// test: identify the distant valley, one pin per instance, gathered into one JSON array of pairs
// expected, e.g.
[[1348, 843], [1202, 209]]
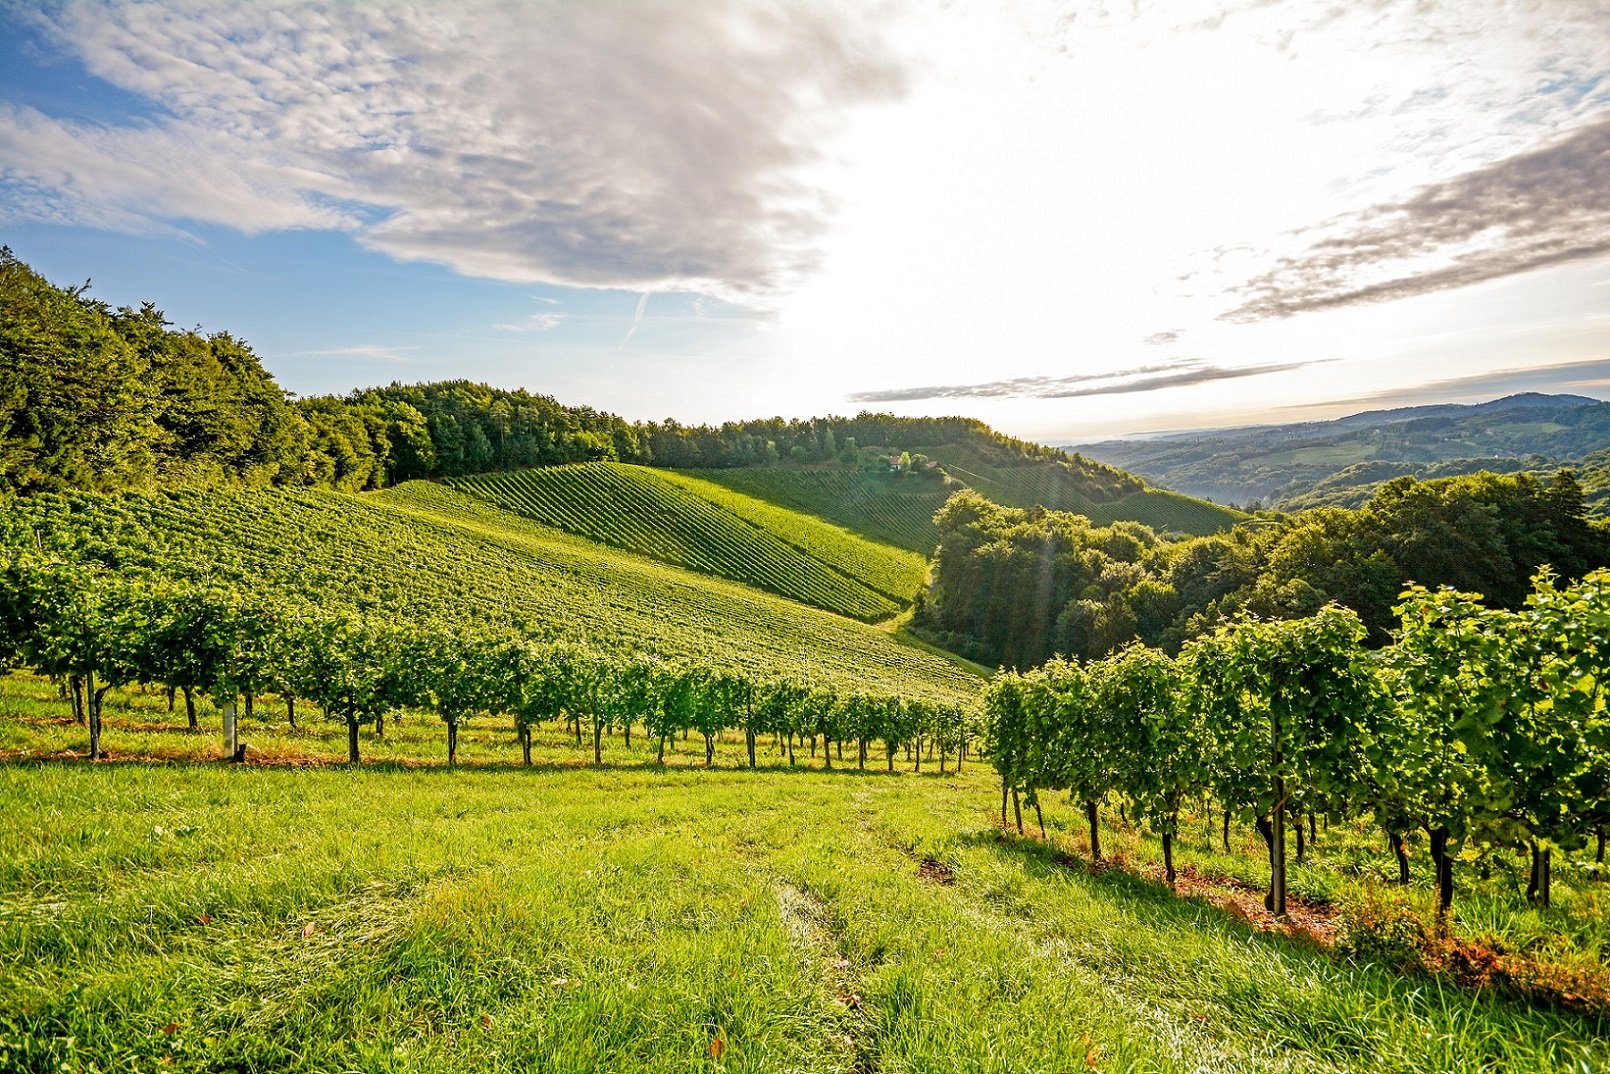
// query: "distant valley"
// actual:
[[1342, 462]]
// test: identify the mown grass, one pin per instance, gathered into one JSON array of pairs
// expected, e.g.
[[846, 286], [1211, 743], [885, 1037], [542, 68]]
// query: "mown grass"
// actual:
[[403, 917]]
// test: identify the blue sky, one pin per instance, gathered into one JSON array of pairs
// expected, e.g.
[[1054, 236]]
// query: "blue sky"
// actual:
[[1070, 220], [328, 315]]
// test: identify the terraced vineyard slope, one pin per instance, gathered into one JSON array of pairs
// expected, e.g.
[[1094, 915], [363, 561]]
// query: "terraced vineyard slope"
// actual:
[[689, 522], [423, 550]]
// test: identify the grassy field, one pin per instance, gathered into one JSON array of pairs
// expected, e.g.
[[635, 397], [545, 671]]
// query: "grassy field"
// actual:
[[425, 551], [1043, 483], [704, 526], [162, 914], [893, 508], [899, 510]]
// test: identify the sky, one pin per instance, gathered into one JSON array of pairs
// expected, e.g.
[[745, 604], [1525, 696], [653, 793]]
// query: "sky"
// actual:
[[1072, 220]]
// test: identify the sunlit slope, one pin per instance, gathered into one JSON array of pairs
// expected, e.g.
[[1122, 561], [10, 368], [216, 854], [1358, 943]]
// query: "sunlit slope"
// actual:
[[899, 509], [1043, 482], [888, 507], [425, 550], [693, 523]]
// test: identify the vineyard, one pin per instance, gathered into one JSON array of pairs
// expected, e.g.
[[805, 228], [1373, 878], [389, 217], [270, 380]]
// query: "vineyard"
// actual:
[[702, 526], [424, 552], [1484, 729], [892, 508], [307, 917]]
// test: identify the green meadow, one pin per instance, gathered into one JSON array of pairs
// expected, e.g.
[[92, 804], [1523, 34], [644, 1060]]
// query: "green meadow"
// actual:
[[166, 911]]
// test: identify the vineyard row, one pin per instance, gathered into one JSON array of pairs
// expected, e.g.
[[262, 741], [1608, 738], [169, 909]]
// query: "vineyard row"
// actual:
[[95, 631], [1482, 728]]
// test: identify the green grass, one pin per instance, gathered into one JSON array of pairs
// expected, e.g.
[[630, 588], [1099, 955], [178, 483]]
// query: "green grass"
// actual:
[[892, 508], [899, 510], [423, 550], [1168, 512], [1060, 489], [689, 522], [405, 918]]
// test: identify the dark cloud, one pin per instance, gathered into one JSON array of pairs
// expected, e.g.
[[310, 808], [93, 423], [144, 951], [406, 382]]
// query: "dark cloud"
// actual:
[[1127, 382], [1545, 207]]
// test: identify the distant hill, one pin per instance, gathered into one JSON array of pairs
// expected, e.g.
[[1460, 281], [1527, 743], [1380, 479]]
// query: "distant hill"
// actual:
[[1308, 464], [1519, 401]]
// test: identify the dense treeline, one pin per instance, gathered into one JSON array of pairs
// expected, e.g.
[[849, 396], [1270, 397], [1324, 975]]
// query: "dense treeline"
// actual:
[[1016, 587], [1484, 728], [95, 630], [98, 398]]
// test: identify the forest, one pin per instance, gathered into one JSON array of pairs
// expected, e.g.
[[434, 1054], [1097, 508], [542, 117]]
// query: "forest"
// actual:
[[1017, 586]]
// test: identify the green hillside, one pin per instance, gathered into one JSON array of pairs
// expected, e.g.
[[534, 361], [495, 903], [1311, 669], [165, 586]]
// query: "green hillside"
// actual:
[[889, 507], [1342, 462], [1058, 488], [689, 522], [899, 508], [423, 550], [1062, 488]]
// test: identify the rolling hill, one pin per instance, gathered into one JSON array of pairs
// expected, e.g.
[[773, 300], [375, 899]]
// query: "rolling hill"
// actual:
[[423, 550], [689, 522], [1343, 461], [1030, 482], [898, 508]]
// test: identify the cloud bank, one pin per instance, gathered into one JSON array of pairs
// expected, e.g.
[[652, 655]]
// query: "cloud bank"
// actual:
[[641, 145], [1149, 378], [1548, 206]]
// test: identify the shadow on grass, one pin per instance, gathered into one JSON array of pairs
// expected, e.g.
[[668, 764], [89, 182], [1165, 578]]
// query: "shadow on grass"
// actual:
[[1117, 881], [422, 766]]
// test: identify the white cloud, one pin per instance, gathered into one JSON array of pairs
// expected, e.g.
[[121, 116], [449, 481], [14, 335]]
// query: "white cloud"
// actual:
[[1182, 373], [537, 322], [1531, 211], [376, 352], [644, 145], [1065, 184], [142, 179]]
